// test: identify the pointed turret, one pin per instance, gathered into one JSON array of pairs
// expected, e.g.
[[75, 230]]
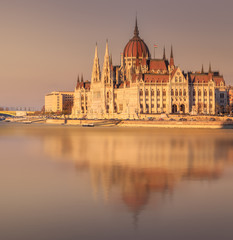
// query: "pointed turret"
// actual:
[[77, 82], [202, 69], [164, 53], [136, 31], [210, 70], [96, 51], [110, 59], [111, 65], [106, 71], [171, 57], [95, 77], [82, 78], [106, 49]]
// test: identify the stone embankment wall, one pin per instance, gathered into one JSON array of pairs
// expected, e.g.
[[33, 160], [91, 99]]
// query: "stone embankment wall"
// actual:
[[55, 121], [145, 123], [176, 124]]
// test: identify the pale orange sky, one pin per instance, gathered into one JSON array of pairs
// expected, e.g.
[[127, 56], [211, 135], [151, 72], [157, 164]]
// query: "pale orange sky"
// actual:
[[45, 44]]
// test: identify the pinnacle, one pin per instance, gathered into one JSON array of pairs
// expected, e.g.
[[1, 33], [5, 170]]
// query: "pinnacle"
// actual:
[[164, 53], [171, 52], [106, 51], [136, 31], [96, 51], [210, 70]]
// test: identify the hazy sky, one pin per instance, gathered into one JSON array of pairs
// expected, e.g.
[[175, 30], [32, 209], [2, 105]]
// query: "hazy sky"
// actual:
[[45, 44]]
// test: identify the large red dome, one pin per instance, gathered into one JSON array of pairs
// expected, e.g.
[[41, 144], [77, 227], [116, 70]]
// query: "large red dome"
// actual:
[[136, 47]]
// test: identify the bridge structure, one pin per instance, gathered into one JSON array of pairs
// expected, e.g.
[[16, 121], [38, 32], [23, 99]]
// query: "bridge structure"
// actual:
[[8, 113], [15, 113]]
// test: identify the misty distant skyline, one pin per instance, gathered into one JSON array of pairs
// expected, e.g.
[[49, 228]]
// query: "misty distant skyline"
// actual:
[[45, 44]]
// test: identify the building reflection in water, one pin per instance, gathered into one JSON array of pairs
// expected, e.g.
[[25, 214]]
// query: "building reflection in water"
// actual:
[[136, 163]]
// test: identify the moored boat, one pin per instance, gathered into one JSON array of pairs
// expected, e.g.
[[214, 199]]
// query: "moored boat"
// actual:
[[88, 125]]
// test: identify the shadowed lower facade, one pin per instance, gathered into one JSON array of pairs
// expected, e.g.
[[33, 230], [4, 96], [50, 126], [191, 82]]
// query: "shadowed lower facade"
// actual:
[[142, 85]]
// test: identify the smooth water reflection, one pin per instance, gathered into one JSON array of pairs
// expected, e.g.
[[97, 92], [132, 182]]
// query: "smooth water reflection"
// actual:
[[77, 183]]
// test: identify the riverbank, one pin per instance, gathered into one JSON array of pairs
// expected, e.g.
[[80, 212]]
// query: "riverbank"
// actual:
[[144, 123]]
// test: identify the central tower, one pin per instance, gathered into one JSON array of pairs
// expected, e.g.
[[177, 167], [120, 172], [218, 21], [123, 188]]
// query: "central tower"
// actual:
[[136, 54]]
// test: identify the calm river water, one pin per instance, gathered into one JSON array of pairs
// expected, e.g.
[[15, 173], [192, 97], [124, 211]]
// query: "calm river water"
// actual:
[[61, 183]]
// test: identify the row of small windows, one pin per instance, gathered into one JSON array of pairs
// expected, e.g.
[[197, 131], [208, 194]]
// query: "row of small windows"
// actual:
[[152, 106], [152, 92], [176, 93], [199, 92], [204, 105], [180, 93]]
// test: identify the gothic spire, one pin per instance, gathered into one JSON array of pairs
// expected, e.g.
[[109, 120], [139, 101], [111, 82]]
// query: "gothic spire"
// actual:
[[136, 31], [171, 57], [82, 78], [96, 67], [210, 70], [106, 71], [96, 51], [106, 50], [110, 59], [202, 69], [171, 52], [164, 53], [77, 82]]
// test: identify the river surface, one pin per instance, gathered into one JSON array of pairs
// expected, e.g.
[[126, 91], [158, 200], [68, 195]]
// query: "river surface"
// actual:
[[62, 183]]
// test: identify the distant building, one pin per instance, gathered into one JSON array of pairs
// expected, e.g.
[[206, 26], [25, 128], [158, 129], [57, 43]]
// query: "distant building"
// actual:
[[142, 85], [230, 97], [21, 113], [59, 102]]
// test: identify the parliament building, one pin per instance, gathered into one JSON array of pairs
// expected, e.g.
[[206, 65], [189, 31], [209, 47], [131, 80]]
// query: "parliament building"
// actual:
[[142, 86]]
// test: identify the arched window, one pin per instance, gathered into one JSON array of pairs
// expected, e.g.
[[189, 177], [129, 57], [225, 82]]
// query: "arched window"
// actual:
[[147, 93], [172, 92], [141, 93], [158, 92], [185, 92], [82, 97], [199, 92], [107, 94], [164, 92], [180, 92], [205, 93], [152, 92], [176, 92], [211, 93]]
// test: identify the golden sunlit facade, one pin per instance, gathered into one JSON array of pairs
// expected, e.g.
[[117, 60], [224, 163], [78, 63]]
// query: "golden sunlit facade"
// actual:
[[141, 85]]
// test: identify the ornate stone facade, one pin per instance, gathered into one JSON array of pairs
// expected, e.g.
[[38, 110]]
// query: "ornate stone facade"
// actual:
[[141, 85]]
